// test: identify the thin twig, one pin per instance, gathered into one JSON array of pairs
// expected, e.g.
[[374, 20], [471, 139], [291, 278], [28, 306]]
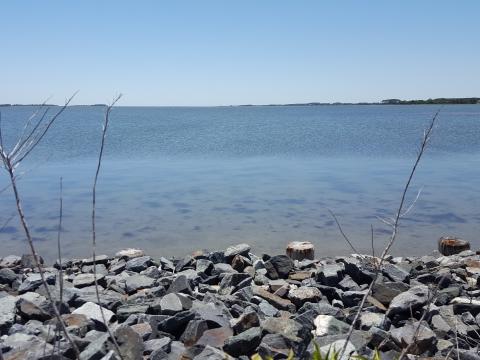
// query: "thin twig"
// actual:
[[342, 232], [425, 140], [94, 237], [10, 164], [59, 247]]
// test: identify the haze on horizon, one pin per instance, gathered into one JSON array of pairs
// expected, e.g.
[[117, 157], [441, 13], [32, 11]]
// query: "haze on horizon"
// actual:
[[250, 52]]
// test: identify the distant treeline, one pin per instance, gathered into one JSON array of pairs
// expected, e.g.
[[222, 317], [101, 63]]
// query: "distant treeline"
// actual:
[[473, 100]]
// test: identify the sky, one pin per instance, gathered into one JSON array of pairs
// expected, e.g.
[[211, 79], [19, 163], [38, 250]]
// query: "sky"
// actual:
[[202, 53]]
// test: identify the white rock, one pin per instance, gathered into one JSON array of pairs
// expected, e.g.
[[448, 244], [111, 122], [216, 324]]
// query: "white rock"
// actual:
[[92, 311], [130, 253], [328, 325]]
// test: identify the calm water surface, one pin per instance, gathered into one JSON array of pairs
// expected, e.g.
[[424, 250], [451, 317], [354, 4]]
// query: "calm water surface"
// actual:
[[180, 179]]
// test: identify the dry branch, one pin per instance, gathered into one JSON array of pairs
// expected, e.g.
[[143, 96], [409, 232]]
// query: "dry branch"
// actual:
[[395, 224]]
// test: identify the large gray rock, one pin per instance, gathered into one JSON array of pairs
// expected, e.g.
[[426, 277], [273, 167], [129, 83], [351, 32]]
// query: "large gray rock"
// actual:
[[240, 249], [330, 274], [193, 332], [282, 265], [408, 301], [136, 282], [130, 343], [246, 321], [84, 280], [25, 347], [7, 312], [7, 276], [138, 264], [93, 311], [304, 294], [172, 303], [34, 281], [328, 325], [385, 292], [419, 342], [10, 261], [244, 343], [297, 334]]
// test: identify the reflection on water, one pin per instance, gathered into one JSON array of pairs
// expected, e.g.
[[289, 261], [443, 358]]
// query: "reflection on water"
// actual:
[[266, 195]]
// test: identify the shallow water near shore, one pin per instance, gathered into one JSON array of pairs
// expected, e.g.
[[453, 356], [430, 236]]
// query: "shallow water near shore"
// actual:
[[180, 179]]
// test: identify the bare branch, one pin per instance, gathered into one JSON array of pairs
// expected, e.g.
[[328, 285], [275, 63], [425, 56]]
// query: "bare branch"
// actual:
[[94, 238], [342, 232], [395, 225]]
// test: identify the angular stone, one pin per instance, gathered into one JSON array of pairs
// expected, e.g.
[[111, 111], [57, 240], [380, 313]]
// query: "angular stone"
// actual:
[[7, 312], [7, 276], [136, 282], [173, 303], [330, 274], [386, 291], [240, 249], [30, 311], [231, 281], [10, 261], [142, 329], [215, 337], [177, 323], [304, 294], [328, 325], [396, 273], [138, 264], [282, 264], [180, 285], [246, 321], [34, 281], [130, 343], [276, 301], [211, 353], [92, 311], [84, 280], [424, 340], [125, 311], [408, 301], [244, 343], [162, 343], [99, 259], [298, 335], [130, 253], [193, 332], [274, 346]]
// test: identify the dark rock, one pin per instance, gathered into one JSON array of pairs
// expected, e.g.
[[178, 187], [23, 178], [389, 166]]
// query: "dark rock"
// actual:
[[246, 321], [180, 285], [396, 273], [330, 274], [185, 263], [282, 264], [419, 342], [408, 301], [136, 282], [99, 259], [298, 335], [230, 282], [386, 291], [177, 323], [138, 264], [7, 276], [204, 266], [193, 332], [244, 343], [274, 346]]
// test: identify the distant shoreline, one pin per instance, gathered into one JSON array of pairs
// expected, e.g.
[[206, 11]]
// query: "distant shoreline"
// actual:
[[436, 101]]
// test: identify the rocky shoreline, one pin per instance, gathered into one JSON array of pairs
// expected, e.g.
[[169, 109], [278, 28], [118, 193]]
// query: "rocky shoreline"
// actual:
[[234, 304]]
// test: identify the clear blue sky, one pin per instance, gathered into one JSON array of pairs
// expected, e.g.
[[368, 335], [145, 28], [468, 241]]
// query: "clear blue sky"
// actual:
[[238, 52]]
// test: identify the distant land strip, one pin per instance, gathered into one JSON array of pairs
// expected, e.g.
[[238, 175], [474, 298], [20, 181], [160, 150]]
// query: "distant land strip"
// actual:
[[437, 101]]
